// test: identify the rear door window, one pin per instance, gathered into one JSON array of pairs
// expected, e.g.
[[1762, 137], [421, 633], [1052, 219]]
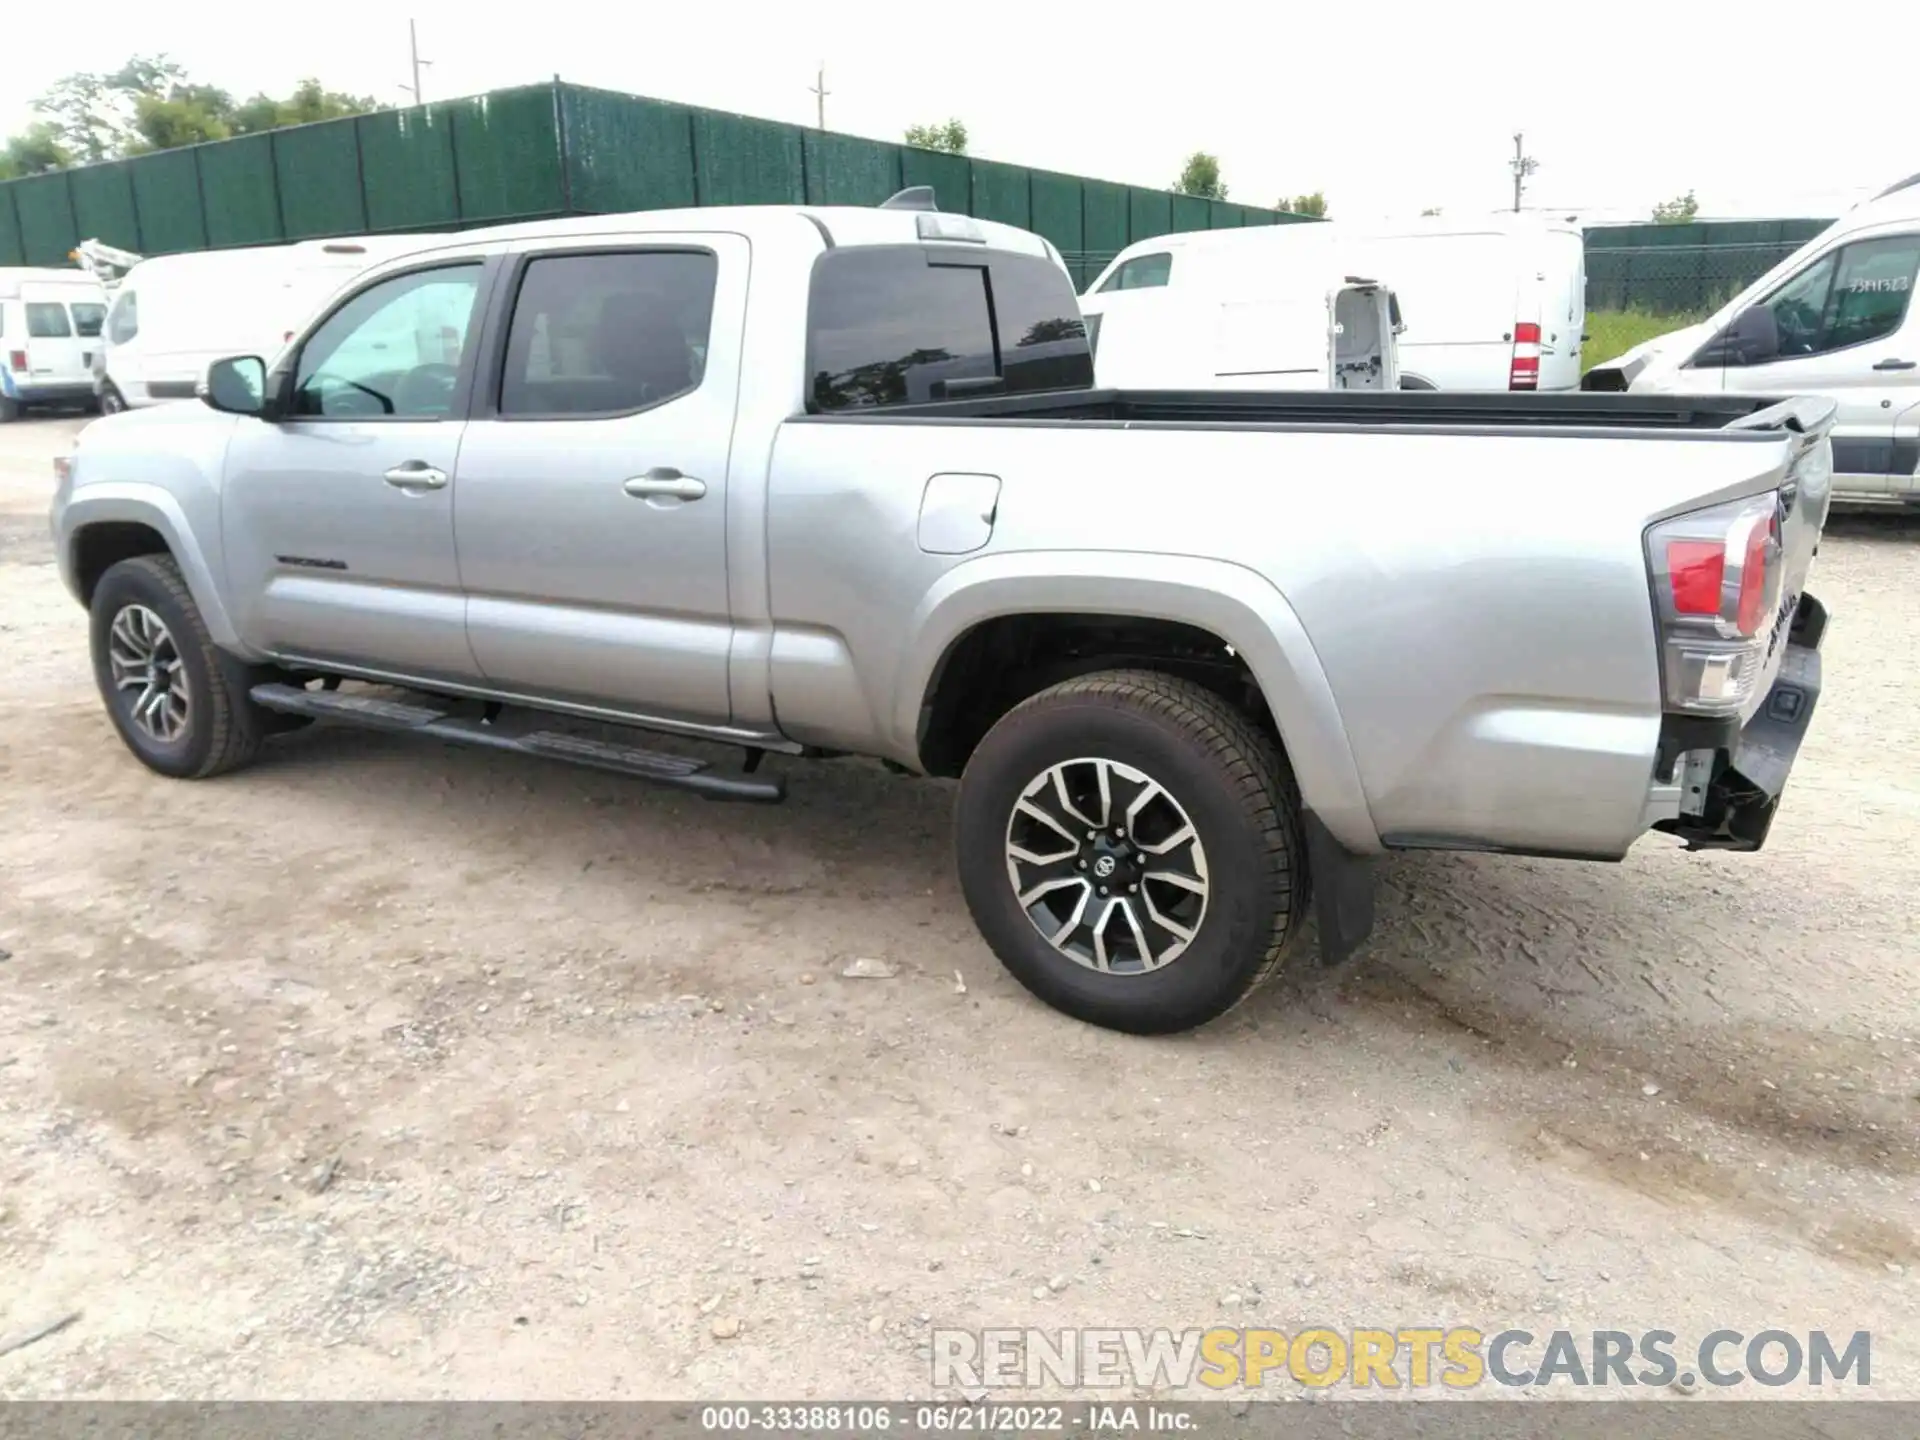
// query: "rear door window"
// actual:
[[88, 319], [903, 324], [47, 320], [608, 334]]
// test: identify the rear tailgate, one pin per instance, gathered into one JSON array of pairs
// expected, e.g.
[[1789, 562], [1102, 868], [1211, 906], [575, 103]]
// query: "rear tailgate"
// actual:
[[1806, 491]]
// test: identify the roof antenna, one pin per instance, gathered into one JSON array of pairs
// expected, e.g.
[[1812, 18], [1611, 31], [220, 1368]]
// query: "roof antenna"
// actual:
[[914, 197]]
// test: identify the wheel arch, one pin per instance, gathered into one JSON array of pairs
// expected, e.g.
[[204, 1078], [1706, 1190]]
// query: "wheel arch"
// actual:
[[1211, 598], [111, 522]]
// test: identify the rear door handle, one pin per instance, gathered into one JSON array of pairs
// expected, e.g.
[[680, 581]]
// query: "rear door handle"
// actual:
[[1896, 365], [665, 483], [416, 475]]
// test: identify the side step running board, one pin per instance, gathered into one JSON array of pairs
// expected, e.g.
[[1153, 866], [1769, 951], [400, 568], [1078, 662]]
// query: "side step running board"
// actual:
[[374, 713]]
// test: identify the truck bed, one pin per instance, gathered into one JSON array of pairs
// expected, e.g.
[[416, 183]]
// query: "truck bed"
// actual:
[[1483, 412]]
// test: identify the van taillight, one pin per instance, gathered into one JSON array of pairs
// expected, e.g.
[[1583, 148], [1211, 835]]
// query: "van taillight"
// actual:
[[17, 360], [1717, 577], [1525, 374]]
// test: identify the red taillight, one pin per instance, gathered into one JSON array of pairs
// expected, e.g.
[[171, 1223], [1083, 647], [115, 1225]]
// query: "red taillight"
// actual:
[[1718, 575], [1525, 374], [17, 360], [1696, 569]]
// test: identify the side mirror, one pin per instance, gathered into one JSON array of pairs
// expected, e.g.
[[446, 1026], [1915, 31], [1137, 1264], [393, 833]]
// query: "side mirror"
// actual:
[[236, 385]]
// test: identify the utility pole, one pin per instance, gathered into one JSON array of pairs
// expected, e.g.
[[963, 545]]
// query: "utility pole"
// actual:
[[1522, 166], [820, 93], [413, 46]]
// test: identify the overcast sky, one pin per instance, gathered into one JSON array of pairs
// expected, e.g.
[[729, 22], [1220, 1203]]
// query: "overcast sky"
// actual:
[[1389, 108]]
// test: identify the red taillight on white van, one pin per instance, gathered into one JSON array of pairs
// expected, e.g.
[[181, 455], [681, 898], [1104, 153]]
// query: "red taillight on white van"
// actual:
[[17, 361], [1716, 580], [1525, 374]]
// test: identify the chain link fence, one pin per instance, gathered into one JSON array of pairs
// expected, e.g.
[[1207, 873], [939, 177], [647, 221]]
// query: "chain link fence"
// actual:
[[1646, 280]]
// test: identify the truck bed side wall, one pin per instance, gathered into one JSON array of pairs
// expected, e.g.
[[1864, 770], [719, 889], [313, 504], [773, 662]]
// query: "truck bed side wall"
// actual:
[[1453, 631]]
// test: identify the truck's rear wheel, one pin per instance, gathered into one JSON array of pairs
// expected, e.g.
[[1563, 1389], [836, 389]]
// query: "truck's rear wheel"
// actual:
[[179, 705], [1130, 846]]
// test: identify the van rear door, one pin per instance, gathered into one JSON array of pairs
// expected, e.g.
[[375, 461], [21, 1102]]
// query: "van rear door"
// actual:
[[56, 353]]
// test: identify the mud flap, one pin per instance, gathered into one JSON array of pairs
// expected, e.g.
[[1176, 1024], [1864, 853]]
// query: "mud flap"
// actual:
[[1342, 885]]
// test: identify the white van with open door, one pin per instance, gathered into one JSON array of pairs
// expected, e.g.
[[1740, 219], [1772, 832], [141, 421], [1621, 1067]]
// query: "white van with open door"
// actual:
[[50, 323], [1272, 332], [1835, 318], [1487, 303], [173, 315]]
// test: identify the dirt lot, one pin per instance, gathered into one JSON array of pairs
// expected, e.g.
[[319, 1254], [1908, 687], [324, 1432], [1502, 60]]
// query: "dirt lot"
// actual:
[[390, 1070]]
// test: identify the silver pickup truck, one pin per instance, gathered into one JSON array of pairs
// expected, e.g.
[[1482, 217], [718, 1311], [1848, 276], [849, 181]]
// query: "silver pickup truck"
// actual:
[[835, 481]]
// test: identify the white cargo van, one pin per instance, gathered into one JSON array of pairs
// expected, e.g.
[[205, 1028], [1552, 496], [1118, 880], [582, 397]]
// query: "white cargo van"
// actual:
[[1834, 318], [1493, 303], [1228, 331], [172, 315], [50, 324]]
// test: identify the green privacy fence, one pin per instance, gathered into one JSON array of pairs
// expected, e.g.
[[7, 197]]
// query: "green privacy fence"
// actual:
[[550, 150], [1685, 269]]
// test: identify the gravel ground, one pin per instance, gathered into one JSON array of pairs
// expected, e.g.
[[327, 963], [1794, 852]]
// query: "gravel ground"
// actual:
[[389, 1070]]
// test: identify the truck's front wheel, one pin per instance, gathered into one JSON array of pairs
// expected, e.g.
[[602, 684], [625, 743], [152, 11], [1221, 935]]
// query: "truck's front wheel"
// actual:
[[1130, 846], [178, 703]]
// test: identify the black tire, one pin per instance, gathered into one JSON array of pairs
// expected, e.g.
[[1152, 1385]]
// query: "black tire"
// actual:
[[9, 409], [1234, 788], [223, 728], [109, 401]]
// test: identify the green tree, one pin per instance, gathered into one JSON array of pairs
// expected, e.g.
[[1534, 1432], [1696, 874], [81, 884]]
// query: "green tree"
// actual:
[[950, 137], [310, 102], [151, 103], [1677, 211], [34, 151], [87, 117], [1314, 205], [1201, 176]]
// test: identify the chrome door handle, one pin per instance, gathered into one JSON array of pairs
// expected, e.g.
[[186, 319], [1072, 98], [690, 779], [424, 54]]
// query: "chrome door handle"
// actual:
[[414, 475], [665, 484]]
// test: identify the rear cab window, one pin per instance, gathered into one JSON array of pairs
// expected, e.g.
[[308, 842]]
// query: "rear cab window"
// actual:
[[905, 324]]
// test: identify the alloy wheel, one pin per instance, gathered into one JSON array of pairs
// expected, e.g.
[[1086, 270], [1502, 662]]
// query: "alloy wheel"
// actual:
[[1107, 865]]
